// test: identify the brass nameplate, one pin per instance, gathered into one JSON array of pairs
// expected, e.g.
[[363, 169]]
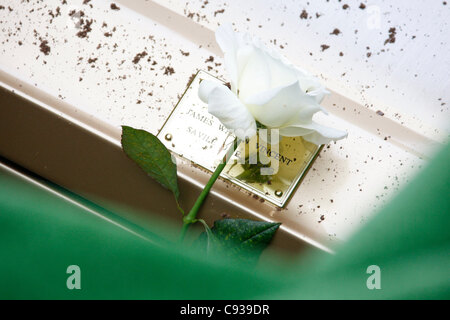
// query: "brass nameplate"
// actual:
[[196, 135]]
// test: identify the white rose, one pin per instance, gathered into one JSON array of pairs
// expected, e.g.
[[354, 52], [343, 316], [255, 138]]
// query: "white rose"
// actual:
[[267, 88]]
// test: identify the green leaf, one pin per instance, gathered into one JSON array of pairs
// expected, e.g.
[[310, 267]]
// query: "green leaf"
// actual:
[[242, 239], [152, 156]]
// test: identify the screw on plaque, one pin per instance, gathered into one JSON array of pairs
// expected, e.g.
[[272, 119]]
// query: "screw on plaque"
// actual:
[[278, 193], [168, 137]]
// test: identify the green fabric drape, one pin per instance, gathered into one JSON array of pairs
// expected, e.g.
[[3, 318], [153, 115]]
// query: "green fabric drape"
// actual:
[[41, 235]]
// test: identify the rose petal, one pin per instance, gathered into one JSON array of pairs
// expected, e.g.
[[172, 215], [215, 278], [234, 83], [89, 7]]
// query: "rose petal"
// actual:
[[282, 106], [226, 38], [318, 134], [223, 104], [255, 76], [294, 131], [281, 73], [313, 87], [237, 51], [205, 89]]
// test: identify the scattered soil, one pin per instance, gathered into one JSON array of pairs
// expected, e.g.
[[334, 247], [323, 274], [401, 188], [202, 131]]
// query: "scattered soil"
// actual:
[[392, 34], [85, 28], [191, 78], [139, 56], [169, 71]]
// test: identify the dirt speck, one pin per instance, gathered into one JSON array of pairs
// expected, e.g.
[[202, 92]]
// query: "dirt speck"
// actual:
[[324, 47], [392, 34], [218, 12], [169, 71], [304, 14], [85, 28], [44, 47], [139, 56], [184, 53], [336, 31]]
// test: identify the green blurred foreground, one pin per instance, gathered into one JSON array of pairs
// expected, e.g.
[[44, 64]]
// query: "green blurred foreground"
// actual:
[[41, 235]]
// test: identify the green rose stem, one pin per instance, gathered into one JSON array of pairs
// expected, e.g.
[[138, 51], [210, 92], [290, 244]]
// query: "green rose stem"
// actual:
[[191, 217]]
